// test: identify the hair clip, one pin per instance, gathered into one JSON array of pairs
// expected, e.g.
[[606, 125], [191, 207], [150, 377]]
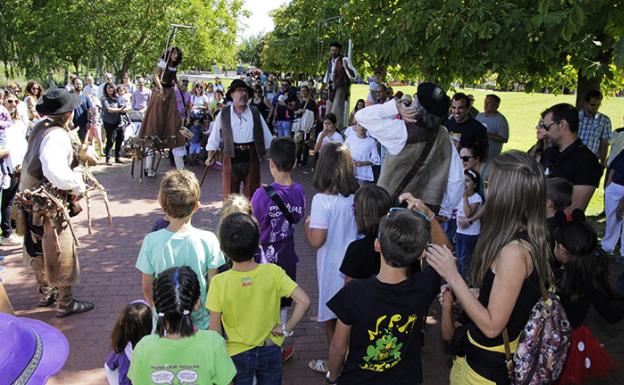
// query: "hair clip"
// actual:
[[161, 314], [186, 312]]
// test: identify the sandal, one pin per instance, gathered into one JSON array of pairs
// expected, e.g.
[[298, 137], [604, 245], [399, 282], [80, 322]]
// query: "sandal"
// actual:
[[48, 299], [317, 366], [74, 307]]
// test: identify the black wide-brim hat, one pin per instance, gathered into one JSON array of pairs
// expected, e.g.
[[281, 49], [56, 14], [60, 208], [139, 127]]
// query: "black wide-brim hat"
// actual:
[[57, 101], [433, 99], [238, 83]]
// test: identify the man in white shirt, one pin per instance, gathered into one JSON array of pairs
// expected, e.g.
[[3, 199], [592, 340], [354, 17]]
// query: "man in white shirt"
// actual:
[[48, 242], [338, 75], [439, 180], [245, 136]]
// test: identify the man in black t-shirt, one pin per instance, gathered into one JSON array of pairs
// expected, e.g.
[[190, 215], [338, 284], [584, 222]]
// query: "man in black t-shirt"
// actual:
[[380, 319], [569, 158], [471, 132]]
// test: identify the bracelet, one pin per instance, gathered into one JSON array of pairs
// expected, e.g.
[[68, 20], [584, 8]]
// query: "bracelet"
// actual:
[[287, 333], [327, 378]]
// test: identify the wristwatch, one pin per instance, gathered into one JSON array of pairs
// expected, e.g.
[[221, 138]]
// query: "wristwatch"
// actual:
[[328, 379], [287, 333]]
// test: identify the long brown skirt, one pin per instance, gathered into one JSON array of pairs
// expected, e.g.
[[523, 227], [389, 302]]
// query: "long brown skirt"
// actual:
[[162, 118]]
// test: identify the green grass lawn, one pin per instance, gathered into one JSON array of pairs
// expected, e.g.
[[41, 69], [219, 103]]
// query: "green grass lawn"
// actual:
[[522, 111]]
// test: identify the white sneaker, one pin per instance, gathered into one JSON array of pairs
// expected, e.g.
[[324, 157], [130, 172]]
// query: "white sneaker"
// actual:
[[11, 240]]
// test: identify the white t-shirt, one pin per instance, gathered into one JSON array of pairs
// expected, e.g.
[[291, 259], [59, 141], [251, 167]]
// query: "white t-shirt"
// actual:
[[363, 150], [334, 213], [200, 101], [475, 228], [335, 137]]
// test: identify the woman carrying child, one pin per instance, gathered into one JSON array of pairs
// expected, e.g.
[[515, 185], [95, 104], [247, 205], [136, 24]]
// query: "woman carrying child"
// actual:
[[178, 350], [513, 261]]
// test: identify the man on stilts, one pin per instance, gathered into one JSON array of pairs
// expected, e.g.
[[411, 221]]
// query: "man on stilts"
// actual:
[[338, 75], [245, 136]]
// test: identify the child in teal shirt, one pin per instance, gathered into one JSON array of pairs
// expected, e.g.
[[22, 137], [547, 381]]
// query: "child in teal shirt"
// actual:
[[180, 244]]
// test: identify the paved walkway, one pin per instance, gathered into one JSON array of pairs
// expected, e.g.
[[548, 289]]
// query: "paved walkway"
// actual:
[[110, 280]]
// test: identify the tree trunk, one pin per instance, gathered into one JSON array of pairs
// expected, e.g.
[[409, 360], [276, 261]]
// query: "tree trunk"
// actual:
[[585, 85]]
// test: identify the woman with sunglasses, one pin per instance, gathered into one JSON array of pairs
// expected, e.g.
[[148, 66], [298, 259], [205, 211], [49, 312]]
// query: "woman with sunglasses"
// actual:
[[473, 159], [33, 93], [261, 103], [15, 139], [199, 102]]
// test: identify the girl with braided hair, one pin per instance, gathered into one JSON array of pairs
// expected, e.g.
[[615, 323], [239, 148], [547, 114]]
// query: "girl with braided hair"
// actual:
[[178, 350]]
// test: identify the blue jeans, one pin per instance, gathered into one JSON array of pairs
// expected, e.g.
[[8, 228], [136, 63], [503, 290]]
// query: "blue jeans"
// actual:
[[284, 128], [464, 245], [450, 228], [263, 362]]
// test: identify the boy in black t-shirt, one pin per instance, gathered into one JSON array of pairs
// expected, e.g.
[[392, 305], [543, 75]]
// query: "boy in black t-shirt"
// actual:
[[380, 318]]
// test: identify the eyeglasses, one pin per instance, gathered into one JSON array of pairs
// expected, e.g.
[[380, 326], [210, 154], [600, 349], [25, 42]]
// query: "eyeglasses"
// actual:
[[466, 158], [547, 126]]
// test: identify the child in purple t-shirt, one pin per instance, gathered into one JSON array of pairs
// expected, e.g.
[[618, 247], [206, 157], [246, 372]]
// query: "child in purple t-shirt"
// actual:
[[276, 232]]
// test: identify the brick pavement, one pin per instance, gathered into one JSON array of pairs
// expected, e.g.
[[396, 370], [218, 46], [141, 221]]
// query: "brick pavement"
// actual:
[[110, 280]]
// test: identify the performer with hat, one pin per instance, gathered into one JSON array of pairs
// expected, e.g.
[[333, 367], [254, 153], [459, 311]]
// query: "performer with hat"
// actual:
[[245, 137], [49, 243], [421, 158], [162, 119]]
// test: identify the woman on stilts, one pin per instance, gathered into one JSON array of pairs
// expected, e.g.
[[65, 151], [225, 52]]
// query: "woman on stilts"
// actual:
[[162, 119]]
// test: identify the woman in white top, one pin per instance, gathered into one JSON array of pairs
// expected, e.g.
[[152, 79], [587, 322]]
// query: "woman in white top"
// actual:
[[199, 100], [466, 237], [364, 154]]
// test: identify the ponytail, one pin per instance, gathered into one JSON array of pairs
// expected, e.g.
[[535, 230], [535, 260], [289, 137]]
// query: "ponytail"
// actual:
[[176, 292]]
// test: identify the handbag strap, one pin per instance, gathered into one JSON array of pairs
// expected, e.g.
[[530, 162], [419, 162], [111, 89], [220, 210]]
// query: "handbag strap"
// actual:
[[417, 165], [279, 202], [508, 357]]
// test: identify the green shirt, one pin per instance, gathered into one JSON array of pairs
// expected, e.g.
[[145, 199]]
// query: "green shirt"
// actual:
[[250, 304], [199, 359], [195, 248]]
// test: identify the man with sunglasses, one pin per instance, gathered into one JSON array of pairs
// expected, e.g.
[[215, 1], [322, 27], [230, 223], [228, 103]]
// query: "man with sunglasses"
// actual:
[[569, 158]]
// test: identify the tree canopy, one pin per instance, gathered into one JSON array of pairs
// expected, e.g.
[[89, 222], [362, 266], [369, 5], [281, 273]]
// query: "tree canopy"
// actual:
[[114, 35], [539, 43]]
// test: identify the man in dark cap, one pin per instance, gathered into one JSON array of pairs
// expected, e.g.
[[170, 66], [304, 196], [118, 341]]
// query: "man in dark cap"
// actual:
[[245, 137], [338, 75], [421, 158], [52, 153]]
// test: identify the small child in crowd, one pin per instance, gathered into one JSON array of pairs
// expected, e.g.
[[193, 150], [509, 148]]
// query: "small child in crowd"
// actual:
[[361, 260], [329, 133], [582, 279], [330, 228], [467, 233], [278, 207], [194, 147], [134, 322], [178, 350], [380, 319], [364, 153], [246, 301], [180, 244], [558, 197]]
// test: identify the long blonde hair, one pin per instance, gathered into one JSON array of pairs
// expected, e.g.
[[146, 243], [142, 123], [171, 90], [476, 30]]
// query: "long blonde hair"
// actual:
[[515, 202]]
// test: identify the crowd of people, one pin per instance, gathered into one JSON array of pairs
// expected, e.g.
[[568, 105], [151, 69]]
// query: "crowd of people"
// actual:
[[415, 200]]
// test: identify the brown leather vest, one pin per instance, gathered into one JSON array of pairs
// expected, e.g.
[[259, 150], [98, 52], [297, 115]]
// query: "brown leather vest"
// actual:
[[227, 137], [32, 172]]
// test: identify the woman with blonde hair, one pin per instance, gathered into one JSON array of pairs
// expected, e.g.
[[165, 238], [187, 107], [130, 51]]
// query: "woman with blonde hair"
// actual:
[[510, 263]]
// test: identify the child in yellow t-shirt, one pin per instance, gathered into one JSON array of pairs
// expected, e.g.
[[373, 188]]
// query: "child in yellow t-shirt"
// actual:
[[246, 299]]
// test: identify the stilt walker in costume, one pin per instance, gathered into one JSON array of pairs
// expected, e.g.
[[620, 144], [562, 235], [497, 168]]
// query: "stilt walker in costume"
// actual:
[[421, 159], [245, 137], [338, 75], [49, 190], [162, 119]]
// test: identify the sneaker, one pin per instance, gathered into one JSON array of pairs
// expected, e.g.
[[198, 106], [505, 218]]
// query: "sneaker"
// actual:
[[11, 240], [287, 353]]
